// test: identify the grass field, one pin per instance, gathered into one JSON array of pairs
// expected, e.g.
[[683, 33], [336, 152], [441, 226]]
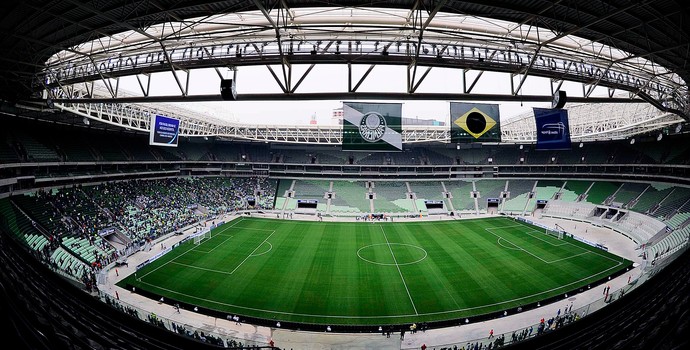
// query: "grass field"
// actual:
[[359, 273]]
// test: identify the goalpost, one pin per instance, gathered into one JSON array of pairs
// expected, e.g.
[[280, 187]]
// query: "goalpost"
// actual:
[[202, 236], [555, 233]]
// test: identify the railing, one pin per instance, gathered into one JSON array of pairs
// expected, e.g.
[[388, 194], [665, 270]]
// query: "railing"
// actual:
[[222, 337]]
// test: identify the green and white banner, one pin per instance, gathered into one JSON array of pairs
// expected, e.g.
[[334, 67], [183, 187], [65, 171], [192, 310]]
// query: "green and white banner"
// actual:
[[372, 126], [474, 122]]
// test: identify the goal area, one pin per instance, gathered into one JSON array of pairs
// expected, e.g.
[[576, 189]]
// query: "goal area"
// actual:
[[554, 232]]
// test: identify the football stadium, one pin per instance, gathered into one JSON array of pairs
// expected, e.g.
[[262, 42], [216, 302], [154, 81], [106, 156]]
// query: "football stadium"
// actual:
[[345, 175]]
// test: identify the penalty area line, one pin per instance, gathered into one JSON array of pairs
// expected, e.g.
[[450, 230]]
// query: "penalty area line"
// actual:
[[253, 251]]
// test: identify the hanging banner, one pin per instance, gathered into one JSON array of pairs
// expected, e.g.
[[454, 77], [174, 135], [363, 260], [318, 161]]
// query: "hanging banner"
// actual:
[[372, 126], [474, 122], [553, 131]]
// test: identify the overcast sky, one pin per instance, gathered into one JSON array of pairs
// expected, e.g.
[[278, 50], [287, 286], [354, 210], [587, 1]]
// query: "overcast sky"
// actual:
[[332, 78]]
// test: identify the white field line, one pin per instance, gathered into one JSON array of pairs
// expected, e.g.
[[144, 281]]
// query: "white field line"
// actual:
[[252, 253], [400, 272]]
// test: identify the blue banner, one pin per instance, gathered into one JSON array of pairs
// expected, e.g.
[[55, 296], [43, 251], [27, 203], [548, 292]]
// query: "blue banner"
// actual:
[[553, 132], [164, 131]]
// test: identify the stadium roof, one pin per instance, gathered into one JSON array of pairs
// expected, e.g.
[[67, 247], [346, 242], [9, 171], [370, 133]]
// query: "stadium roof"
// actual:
[[654, 34]]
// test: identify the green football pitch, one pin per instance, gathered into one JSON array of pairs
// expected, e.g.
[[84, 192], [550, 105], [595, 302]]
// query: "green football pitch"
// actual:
[[363, 273]]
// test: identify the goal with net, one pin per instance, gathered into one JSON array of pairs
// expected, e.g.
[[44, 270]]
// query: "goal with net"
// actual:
[[555, 233], [202, 236]]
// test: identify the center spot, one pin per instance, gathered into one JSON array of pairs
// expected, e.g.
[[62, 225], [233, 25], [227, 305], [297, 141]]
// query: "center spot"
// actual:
[[384, 253]]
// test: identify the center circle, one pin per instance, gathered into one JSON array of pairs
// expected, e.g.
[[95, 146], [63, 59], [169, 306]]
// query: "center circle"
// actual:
[[392, 254]]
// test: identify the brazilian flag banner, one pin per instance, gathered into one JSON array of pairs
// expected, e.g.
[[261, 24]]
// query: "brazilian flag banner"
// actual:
[[474, 122], [372, 126]]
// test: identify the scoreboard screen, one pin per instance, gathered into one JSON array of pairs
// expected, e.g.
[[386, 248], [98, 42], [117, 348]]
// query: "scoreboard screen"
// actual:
[[164, 131], [307, 203], [434, 204]]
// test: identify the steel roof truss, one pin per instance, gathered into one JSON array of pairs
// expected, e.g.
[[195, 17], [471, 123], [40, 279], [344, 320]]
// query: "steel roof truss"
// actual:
[[350, 88], [144, 90]]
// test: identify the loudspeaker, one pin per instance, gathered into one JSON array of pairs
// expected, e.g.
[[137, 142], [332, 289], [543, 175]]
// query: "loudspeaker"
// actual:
[[227, 89], [559, 99]]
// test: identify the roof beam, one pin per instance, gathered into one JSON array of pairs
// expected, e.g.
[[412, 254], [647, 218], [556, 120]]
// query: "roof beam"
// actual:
[[411, 80], [345, 95], [284, 62]]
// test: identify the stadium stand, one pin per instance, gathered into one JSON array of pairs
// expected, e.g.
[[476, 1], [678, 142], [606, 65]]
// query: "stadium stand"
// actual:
[[311, 189], [329, 157], [427, 190], [461, 194], [36, 151], [350, 197], [108, 149], [561, 208], [194, 151], [599, 192], [314, 190], [441, 156], [547, 189], [43, 212], [671, 203], [520, 191], [506, 155], [626, 193], [652, 195], [488, 189], [577, 187], [392, 197], [137, 150], [142, 209], [75, 149]]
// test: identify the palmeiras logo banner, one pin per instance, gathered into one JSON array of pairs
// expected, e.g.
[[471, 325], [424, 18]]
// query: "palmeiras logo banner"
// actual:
[[372, 126], [474, 122], [553, 131]]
